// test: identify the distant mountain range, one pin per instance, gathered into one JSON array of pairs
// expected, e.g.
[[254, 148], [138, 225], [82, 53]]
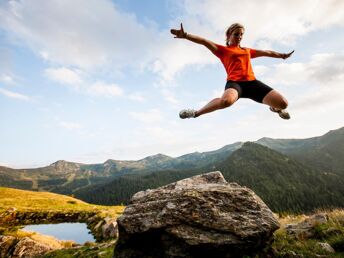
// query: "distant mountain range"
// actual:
[[301, 174]]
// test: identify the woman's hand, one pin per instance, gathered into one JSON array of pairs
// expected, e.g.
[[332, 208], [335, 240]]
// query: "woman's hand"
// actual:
[[181, 34], [285, 56]]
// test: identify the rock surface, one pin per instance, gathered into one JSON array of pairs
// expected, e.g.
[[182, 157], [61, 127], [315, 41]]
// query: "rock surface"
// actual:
[[201, 216], [28, 247], [6, 243], [326, 247], [305, 228], [24, 247]]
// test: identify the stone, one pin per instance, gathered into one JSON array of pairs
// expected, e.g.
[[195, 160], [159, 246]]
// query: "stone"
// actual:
[[201, 216], [6, 244], [292, 254], [110, 228], [306, 227], [326, 247], [27, 248]]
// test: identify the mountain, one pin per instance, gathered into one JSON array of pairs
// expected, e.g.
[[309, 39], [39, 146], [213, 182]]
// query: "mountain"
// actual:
[[323, 153], [68, 177], [283, 183], [318, 160]]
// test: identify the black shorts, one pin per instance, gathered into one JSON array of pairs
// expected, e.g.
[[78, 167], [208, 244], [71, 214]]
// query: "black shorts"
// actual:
[[255, 90]]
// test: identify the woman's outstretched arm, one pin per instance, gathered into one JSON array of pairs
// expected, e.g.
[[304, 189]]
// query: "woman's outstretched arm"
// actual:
[[199, 40], [271, 53]]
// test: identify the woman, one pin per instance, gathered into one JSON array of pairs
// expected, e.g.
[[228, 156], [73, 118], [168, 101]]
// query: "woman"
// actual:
[[241, 82]]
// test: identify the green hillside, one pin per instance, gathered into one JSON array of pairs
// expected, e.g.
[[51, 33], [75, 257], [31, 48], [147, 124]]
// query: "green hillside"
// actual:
[[322, 153], [23, 200], [120, 190], [283, 183]]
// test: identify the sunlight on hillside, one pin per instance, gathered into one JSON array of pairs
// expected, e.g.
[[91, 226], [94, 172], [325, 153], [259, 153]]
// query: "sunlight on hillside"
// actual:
[[43, 201]]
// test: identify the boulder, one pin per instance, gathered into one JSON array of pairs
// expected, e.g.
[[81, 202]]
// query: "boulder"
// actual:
[[110, 228], [6, 244], [27, 248], [305, 229], [326, 247], [201, 216]]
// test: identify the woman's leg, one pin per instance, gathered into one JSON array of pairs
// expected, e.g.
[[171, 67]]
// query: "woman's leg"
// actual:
[[275, 100], [228, 98], [277, 103]]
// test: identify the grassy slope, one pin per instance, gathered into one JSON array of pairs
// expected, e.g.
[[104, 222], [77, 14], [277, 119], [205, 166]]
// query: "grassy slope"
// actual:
[[332, 232], [24, 200]]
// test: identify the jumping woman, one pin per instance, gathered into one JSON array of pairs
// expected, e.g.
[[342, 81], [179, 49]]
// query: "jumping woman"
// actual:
[[241, 82]]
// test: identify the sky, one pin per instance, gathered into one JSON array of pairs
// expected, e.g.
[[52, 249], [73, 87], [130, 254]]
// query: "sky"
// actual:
[[91, 80]]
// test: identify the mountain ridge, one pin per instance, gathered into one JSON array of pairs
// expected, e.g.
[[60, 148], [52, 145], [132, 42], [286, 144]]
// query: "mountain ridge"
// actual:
[[282, 182], [322, 153]]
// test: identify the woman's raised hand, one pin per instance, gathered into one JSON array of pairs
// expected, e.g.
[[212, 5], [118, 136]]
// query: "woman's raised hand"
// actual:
[[285, 56], [179, 33]]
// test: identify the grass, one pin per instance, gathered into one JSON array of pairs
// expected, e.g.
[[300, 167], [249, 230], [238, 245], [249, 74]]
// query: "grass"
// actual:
[[83, 252], [29, 201], [331, 232]]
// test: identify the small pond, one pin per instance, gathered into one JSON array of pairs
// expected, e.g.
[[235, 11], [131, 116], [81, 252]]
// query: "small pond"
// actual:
[[78, 232]]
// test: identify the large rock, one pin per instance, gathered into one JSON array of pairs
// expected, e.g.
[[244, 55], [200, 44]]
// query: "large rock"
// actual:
[[27, 248], [6, 244], [201, 216]]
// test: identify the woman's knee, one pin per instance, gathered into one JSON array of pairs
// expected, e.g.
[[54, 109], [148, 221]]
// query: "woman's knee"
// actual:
[[226, 102], [283, 104]]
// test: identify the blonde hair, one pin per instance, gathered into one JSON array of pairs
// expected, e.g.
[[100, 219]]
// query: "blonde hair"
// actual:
[[232, 28]]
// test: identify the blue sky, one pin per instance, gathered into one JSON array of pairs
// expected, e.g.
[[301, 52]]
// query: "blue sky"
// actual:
[[91, 80]]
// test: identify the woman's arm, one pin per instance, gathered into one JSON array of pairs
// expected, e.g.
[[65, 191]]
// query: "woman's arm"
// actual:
[[271, 53], [199, 40]]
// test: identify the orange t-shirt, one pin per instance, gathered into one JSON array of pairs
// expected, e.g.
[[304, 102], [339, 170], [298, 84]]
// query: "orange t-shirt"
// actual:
[[236, 61]]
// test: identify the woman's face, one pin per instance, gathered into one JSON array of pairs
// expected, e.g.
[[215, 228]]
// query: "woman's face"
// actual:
[[236, 36]]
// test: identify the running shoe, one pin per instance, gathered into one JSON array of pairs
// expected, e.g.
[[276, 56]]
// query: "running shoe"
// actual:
[[282, 113], [187, 113]]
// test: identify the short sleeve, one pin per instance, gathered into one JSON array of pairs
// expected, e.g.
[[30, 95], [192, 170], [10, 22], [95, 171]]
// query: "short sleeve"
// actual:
[[220, 51], [253, 53]]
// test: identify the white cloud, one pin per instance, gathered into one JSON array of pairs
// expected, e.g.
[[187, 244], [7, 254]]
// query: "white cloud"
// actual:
[[14, 95], [210, 20], [301, 16], [157, 133], [289, 73], [70, 125], [312, 86], [7, 79], [217, 94], [169, 96], [97, 33], [327, 67], [74, 78], [137, 97], [151, 116], [86, 34], [260, 70], [64, 75], [176, 54], [321, 68], [104, 89]]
